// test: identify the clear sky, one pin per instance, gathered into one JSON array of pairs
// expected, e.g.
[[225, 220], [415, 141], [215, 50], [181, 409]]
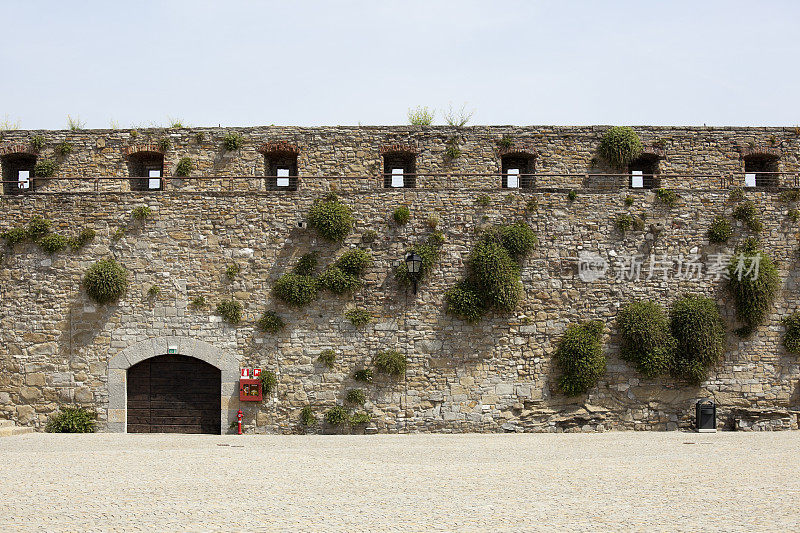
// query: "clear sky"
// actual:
[[310, 63]]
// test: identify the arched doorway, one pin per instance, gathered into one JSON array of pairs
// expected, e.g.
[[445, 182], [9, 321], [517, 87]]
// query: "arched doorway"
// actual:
[[173, 394]]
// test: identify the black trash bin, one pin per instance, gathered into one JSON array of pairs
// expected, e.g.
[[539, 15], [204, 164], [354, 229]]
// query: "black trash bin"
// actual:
[[705, 416]]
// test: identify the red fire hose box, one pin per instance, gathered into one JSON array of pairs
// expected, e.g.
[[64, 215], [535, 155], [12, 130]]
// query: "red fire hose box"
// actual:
[[250, 390]]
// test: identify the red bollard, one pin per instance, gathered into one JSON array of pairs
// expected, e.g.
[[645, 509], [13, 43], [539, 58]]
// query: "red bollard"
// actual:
[[239, 417]]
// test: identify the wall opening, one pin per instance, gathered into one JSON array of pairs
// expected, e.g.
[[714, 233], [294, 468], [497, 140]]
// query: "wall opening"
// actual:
[[281, 170], [518, 170], [399, 170], [760, 170], [644, 172], [18, 173], [146, 170]]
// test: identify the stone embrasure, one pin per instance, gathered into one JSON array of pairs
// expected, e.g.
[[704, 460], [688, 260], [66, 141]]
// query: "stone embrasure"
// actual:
[[496, 374]]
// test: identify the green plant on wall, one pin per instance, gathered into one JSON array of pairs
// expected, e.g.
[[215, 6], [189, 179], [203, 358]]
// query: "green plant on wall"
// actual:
[[184, 167], [356, 397], [791, 335], [429, 251], [342, 276], [295, 289], [572, 195], [645, 338], [619, 146], [64, 149], [699, 332], [232, 141], [736, 195], [720, 230], [506, 141], [337, 415], [164, 144], [753, 283], [358, 419], [452, 149], [483, 200], [72, 420], [421, 116], [369, 235], [623, 222], [667, 197], [747, 212], [141, 212], [105, 281], [580, 358], [198, 302], [231, 271], [401, 215], [327, 357], [363, 375], [230, 311], [270, 322], [37, 143], [53, 242], [332, 219], [307, 264], [46, 168], [390, 362], [86, 236], [358, 317], [268, 383], [307, 417], [14, 236], [493, 273]]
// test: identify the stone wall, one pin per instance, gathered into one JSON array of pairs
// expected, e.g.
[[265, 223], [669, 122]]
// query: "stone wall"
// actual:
[[497, 374]]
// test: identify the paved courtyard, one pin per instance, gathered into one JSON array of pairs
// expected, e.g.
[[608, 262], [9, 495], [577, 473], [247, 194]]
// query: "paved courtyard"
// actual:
[[584, 482]]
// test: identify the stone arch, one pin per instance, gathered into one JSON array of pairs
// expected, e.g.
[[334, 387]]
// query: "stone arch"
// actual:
[[118, 367]]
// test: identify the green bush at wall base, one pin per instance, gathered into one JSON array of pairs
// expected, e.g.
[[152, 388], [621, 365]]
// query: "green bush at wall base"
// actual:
[[337, 415], [270, 322], [753, 291], [331, 219], [699, 332], [230, 311], [105, 281], [619, 146], [72, 420], [358, 419], [307, 417], [580, 357], [645, 338], [390, 362]]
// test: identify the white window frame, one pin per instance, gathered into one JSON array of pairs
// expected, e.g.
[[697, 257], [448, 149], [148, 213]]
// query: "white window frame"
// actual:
[[283, 177], [637, 179], [750, 179], [154, 179], [398, 177], [512, 174], [24, 179]]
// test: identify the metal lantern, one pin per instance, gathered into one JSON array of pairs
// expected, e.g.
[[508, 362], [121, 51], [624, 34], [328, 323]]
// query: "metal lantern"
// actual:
[[414, 264]]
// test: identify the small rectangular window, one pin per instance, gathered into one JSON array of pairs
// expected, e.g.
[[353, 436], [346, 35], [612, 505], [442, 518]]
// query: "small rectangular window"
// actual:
[[750, 180], [283, 177], [637, 179], [397, 177], [24, 179], [513, 178], [154, 183]]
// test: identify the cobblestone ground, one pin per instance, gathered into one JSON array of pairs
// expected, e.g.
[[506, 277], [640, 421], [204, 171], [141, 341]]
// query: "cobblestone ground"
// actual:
[[584, 482]]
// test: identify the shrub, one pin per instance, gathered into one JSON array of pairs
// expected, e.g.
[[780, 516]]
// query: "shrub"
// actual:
[[748, 213], [307, 264], [572, 195], [363, 375], [164, 144], [359, 419], [184, 167], [495, 275], [37, 143], [268, 382], [356, 397], [629, 200], [153, 291], [230, 311], [141, 212], [369, 236], [270, 322], [753, 298], [421, 116], [580, 357], [432, 221], [518, 239], [532, 204], [72, 420], [307, 417], [75, 123], [38, 227], [198, 302], [232, 141], [86, 236], [699, 333], [791, 337], [105, 281], [401, 215], [46, 168], [790, 195], [667, 197], [14, 236], [64, 149], [436, 238], [53, 242], [720, 230], [295, 289], [645, 338], [337, 415], [736, 195], [464, 302], [483, 200], [337, 281], [452, 150], [354, 262], [506, 141], [358, 317], [390, 362], [619, 146], [231, 271], [332, 219], [793, 214], [623, 222], [327, 357]]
